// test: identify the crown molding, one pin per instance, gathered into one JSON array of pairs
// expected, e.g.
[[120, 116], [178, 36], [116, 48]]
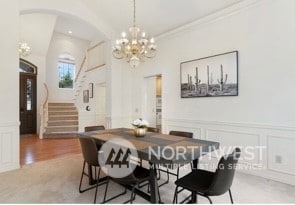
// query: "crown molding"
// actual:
[[214, 17]]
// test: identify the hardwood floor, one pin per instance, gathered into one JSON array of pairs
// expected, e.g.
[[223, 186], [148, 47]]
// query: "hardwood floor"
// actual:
[[32, 149]]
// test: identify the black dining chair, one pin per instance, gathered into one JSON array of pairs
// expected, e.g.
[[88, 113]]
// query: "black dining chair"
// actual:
[[180, 134], [90, 154], [206, 183], [153, 129], [138, 176], [94, 128]]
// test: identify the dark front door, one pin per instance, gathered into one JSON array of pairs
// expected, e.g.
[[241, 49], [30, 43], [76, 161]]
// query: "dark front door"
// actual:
[[28, 103]]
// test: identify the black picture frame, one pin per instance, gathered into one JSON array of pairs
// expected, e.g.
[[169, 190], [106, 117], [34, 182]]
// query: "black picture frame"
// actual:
[[212, 76]]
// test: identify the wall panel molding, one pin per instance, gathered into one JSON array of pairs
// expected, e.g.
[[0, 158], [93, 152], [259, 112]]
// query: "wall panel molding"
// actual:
[[233, 124], [9, 146], [277, 143]]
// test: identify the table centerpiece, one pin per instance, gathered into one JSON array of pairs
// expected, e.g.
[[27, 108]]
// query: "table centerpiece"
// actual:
[[140, 127]]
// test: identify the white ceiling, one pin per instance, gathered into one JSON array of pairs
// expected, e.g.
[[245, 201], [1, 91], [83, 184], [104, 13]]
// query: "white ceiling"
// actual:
[[79, 29], [155, 16], [36, 30]]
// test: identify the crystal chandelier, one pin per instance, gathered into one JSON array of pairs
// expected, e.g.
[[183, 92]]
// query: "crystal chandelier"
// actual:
[[135, 47], [24, 49]]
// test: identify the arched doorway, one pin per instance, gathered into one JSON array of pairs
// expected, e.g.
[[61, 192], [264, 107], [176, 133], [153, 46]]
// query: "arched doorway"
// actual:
[[28, 97]]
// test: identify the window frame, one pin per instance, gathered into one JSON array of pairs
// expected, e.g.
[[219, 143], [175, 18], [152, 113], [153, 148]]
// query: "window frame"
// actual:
[[65, 61]]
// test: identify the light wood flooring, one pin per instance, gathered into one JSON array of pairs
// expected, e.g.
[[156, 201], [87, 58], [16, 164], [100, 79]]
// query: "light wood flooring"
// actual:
[[33, 149]]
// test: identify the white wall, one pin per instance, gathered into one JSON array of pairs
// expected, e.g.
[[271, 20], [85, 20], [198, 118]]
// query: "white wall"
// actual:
[[92, 117], [62, 44], [9, 86], [263, 112]]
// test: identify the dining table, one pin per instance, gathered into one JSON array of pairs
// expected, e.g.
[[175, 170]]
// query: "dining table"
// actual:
[[159, 149]]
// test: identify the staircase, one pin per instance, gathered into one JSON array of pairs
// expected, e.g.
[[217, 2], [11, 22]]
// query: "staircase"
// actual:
[[62, 118]]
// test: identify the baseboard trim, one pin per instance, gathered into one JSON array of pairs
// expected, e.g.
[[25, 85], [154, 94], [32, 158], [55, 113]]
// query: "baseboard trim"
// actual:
[[9, 167]]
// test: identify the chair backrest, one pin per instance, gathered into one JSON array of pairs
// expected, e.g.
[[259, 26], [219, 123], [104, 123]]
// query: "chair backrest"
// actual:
[[89, 150], [181, 133], [224, 174], [94, 128], [153, 129]]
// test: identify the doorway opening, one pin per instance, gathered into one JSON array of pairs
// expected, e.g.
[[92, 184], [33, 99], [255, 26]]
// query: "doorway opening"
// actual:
[[101, 103], [28, 97], [152, 111]]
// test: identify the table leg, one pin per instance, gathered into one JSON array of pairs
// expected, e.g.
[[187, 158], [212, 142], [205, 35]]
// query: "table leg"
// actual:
[[154, 185], [194, 199], [195, 164]]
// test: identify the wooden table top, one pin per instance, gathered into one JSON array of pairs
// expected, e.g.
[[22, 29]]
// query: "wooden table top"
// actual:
[[162, 144]]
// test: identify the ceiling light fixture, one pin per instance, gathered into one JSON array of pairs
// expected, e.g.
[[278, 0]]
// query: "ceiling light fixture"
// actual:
[[70, 32], [24, 49], [136, 47]]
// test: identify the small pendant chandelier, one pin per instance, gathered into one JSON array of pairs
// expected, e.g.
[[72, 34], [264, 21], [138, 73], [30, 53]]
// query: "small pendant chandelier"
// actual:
[[24, 49], [135, 47]]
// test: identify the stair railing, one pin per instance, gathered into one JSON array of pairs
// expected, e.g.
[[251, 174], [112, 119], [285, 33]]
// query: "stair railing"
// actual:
[[44, 113]]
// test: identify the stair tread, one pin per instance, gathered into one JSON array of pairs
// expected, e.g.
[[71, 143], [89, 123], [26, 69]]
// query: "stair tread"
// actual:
[[56, 107], [55, 126], [63, 120], [67, 133], [62, 110]]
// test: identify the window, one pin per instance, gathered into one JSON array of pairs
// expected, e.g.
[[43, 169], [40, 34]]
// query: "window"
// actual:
[[27, 67], [66, 72]]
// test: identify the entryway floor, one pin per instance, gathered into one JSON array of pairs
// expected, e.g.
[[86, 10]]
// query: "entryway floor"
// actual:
[[33, 149]]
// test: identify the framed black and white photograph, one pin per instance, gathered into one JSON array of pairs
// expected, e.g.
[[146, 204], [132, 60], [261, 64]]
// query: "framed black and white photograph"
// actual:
[[90, 90], [86, 96], [211, 76]]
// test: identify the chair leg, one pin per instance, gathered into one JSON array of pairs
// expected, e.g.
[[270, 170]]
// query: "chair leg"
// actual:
[[160, 200], [82, 175], [105, 191], [209, 199], [132, 193], [97, 183], [114, 197], [159, 177], [177, 177], [175, 196], [95, 192], [167, 175], [231, 197]]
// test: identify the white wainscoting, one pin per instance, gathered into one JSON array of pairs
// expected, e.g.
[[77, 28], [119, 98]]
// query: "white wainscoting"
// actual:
[[90, 118], [274, 160], [9, 146], [118, 122]]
